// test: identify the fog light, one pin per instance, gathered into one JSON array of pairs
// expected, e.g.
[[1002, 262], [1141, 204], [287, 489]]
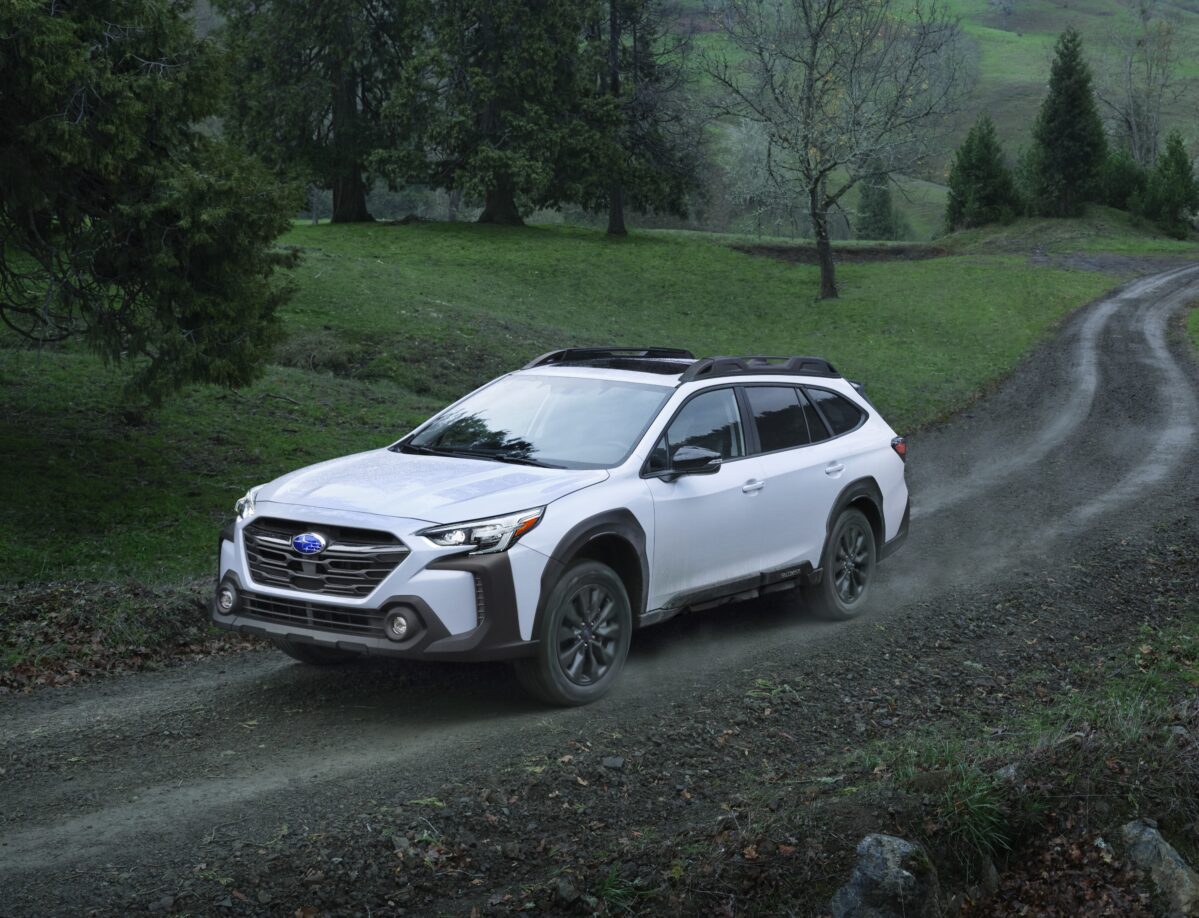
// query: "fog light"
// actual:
[[397, 626], [226, 599]]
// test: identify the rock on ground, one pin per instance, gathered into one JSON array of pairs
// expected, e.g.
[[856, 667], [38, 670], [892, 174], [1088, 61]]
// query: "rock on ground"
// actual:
[[893, 878], [1177, 882]]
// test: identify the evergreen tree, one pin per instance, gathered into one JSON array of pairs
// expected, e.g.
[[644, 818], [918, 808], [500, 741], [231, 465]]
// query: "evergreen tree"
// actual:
[[876, 213], [981, 187], [1172, 197], [654, 158], [309, 83], [510, 111], [121, 221], [1068, 135]]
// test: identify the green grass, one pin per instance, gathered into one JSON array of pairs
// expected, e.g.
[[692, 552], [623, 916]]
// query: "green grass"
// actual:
[[1193, 326], [392, 322]]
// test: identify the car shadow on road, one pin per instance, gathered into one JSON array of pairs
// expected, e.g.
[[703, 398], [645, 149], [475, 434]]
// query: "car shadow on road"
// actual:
[[391, 694]]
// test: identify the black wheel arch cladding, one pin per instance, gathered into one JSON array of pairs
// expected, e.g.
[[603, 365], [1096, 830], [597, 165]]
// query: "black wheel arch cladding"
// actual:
[[595, 538], [862, 494]]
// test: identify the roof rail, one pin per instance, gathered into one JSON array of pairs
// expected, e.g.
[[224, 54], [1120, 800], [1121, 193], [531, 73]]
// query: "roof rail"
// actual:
[[572, 354], [710, 367]]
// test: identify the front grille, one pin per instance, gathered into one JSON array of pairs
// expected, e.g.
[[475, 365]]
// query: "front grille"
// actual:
[[313, 615], [354, 563]]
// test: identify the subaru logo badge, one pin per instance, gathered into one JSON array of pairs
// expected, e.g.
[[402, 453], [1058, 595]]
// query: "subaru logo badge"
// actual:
[[309, 543]]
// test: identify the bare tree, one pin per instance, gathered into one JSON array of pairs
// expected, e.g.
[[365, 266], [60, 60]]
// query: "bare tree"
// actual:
[[840, 86], [1139, 77]]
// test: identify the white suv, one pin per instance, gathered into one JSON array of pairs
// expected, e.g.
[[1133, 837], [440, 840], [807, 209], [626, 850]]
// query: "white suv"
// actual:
[[547, 515]]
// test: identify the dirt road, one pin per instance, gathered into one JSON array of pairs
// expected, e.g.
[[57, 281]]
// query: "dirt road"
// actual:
[[113, 793]]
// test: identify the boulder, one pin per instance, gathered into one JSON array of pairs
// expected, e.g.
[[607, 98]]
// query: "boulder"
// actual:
[[1149, 852], [893, 878]]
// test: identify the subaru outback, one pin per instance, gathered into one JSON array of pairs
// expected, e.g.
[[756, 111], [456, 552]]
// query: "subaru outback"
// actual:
[[547, 515]]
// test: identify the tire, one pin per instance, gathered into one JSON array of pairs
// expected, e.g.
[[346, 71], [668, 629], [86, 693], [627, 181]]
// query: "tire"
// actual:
[[314, 654], [848, 563], [575, 665]]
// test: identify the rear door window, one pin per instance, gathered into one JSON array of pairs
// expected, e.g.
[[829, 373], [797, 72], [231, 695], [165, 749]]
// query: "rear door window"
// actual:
[[842, 414], [778, 417]]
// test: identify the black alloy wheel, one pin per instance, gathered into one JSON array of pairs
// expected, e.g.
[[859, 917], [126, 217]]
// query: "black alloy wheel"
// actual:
[[588, 634], [852, 562], [847, 564], [583, 634]]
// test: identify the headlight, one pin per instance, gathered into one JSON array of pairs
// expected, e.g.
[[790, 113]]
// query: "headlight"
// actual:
[[496, 534], [245, 505]]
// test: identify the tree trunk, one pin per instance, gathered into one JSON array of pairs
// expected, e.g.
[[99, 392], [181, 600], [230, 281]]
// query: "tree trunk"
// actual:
[[616, 225], [349, 189], [349, 197], [500, 205], [451, 210], [824, 248]]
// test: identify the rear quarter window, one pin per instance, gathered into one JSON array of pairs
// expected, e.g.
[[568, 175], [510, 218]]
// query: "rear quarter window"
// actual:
[[842, 414]]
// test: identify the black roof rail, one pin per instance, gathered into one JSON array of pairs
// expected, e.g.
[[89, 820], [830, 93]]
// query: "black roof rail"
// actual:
[[710, 367], [573, 354]]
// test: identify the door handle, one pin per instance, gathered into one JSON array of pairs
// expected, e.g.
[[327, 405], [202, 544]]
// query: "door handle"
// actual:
[[750, 486], [833, 469]]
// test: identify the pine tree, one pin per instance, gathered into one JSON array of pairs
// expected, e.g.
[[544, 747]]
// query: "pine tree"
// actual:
[[981, 187], [876, 213], [1172, 197], [1068, 135]]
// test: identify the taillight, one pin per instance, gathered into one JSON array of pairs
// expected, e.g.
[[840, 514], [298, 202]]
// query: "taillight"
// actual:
[[900, 445]]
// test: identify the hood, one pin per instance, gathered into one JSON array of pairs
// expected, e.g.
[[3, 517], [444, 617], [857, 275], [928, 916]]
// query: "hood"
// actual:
[[437, 489]]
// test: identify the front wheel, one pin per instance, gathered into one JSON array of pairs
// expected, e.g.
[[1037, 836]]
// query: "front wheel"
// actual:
[[583, 638], [314, 654], [848, 564]]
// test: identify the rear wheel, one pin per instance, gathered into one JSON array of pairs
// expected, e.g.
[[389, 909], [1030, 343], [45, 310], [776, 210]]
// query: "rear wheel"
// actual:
[[848, 565], [314, 654], [583, 638]]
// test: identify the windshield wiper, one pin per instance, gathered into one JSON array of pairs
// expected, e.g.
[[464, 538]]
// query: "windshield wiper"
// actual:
[[474, 454], [516, 460]]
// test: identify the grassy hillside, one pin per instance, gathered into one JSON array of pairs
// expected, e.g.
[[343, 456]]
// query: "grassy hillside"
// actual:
[[392, 322]]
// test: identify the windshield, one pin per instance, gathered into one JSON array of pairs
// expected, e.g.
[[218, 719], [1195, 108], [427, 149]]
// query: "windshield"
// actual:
[[555, 421]]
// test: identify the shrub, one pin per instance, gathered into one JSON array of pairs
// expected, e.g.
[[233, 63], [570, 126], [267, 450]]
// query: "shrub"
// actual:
[[1122, 182]]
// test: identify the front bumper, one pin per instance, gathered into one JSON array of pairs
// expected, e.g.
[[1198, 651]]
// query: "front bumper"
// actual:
[[304, 618]]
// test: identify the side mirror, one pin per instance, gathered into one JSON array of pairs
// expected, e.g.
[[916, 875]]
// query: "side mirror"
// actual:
[[694, 460]]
